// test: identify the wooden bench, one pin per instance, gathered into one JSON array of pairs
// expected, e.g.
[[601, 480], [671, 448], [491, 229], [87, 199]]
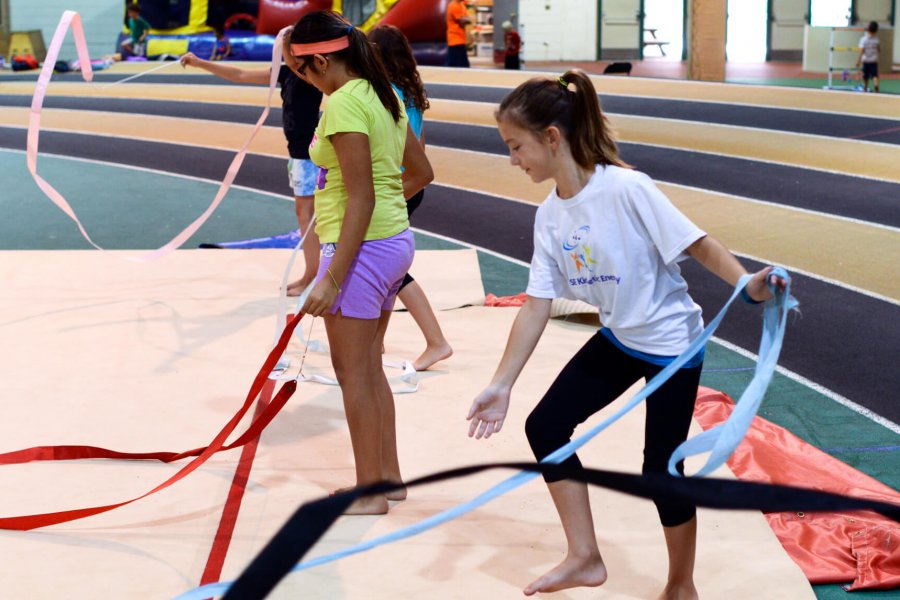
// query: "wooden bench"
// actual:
[[655, 42]]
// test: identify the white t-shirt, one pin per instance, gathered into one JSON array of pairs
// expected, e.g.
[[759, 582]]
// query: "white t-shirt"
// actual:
[[869, 45], [615, 245]]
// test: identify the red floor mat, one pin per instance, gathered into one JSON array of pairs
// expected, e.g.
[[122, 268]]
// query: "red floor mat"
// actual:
[[862, 548]]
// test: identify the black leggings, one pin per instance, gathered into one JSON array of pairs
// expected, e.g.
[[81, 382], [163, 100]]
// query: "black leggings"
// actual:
[[598, 374], [411, 205]]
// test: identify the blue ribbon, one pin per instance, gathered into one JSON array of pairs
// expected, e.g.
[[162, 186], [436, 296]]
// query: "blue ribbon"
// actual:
[[721, 440], [726, 437]]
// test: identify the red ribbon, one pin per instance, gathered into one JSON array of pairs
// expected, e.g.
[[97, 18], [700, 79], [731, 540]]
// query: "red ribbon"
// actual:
[[26, 522]]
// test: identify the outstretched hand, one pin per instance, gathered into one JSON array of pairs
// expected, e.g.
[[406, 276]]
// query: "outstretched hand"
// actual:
[[189, 59], [758, 286], [488, 412]]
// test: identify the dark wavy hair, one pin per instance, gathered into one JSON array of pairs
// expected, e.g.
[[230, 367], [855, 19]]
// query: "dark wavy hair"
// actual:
[[398, 60], [361, 60], [540, 102]]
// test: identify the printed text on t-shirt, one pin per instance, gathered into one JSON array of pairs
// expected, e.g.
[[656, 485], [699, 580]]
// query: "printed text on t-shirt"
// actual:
[[576, 281]]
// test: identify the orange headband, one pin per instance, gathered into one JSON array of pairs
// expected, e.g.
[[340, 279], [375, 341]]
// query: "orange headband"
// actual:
[[320, 47]]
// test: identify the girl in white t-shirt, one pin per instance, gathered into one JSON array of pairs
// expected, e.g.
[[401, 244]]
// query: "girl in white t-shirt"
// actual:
[[608, 236]]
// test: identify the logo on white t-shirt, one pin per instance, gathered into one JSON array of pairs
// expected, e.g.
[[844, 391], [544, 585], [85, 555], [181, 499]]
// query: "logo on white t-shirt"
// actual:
[[578, 250]]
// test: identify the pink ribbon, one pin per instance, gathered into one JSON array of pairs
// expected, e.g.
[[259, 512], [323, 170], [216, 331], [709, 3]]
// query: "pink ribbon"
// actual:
[[37, 102], [182, 237], [73, 19]]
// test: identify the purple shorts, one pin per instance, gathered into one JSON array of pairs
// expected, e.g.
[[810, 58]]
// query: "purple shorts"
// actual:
[[374, 277]]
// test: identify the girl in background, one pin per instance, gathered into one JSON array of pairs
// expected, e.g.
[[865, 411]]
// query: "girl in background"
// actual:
[[605, 235], [362, 139], [397, 57]]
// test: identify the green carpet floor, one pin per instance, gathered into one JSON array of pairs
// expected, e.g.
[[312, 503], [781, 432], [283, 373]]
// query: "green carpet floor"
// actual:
[[887, 86]]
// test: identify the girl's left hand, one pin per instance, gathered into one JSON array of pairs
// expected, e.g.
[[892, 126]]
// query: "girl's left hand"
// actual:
[[320, 299], [758, 286]]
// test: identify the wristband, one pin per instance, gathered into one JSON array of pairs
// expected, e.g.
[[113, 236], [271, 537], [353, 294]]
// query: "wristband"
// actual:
[[745, 296]]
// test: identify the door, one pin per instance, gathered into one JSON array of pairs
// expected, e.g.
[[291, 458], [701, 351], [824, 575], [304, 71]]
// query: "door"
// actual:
[[787, 20], [621, 29], [865, 11]]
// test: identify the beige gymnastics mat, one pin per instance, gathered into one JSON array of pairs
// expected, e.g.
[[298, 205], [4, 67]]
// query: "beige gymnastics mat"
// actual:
[[157, 357]]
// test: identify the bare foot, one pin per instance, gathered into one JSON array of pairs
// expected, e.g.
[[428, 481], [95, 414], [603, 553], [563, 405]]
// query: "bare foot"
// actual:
[[685, 591], [572, 572], [431, 355], [370, 505], [395, 495], [296, 288]]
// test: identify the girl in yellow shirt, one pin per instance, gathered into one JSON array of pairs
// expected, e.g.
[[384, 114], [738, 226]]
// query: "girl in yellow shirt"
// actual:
[[362, 140]]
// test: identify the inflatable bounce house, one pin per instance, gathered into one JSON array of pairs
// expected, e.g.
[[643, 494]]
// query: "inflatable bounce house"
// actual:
[[179, 26]]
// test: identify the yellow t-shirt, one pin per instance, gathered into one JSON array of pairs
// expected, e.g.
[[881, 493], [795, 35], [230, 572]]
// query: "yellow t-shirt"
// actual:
[[355, 107]]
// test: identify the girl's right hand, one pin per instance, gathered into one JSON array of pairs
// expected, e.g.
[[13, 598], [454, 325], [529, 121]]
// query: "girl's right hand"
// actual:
[[321, 298], [189, 59], [488, 412]]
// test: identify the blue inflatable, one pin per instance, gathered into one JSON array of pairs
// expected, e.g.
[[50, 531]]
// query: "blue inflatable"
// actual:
[[245, 45]]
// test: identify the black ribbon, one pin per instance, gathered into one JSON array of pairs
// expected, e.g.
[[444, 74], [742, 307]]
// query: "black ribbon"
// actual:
[[310, 522]]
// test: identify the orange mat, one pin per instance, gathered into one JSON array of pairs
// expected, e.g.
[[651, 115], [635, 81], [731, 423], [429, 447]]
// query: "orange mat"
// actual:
[[862, 548]]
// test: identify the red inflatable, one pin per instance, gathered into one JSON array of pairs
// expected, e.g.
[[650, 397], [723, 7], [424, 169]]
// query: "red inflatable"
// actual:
[[420, 20], [274, 15]]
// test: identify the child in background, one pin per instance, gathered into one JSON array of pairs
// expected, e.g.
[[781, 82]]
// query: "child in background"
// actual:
[[299, 116], [222, 49], [457, 39], [396, 54], [138, 27], [605, 235], [512, 44], [361, 142], [869, 50]]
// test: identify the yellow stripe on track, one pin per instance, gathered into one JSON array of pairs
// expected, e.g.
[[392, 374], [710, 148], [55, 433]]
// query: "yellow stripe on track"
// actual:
[[851, 157], [230, 94], [222, 136], [860, 255], [885, 106], [866, 105]]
